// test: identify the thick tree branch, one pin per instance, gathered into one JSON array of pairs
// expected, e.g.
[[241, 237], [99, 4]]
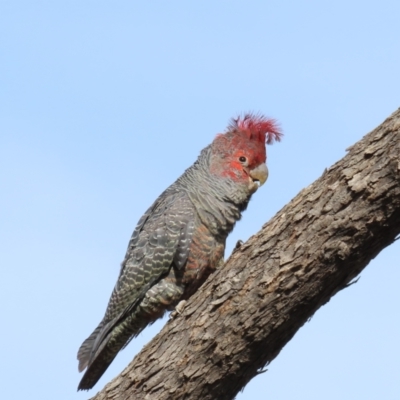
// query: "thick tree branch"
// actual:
[[244, 314]]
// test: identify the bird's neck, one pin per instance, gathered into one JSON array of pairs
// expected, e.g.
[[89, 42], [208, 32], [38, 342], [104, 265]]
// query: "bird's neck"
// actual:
[[219, 201]]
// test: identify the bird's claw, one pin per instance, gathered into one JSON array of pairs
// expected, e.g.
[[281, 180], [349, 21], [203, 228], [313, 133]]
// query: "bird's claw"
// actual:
[[238, 245], [178, 309]]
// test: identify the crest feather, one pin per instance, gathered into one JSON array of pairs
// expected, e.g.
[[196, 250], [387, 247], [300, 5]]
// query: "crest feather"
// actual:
[[257, 127]]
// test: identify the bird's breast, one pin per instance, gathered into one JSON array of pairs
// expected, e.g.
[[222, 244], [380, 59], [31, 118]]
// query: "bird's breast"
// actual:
[[205, 254]]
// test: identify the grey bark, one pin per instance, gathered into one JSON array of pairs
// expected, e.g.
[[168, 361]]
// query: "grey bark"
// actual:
[[245, 313]]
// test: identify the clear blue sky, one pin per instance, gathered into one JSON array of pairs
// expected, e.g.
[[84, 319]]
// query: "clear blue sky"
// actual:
[[104, 104]]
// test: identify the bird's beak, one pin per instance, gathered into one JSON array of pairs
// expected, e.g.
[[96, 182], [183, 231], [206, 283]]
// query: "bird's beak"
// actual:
[[259, 175]]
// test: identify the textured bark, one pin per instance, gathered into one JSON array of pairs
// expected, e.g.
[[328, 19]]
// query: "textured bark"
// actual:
[[245, 313]]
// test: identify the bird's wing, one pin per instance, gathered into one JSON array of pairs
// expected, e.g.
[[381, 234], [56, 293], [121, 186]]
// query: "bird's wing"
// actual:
[[161, 240]]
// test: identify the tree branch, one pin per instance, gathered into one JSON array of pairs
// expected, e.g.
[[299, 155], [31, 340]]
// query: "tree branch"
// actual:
[[245, 313]]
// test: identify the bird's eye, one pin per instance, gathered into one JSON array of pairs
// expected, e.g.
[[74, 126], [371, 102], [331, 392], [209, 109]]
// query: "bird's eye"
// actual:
[[242, 159]]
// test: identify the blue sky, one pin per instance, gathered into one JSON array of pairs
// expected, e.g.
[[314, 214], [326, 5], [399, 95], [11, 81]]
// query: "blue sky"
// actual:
[[104, 104]]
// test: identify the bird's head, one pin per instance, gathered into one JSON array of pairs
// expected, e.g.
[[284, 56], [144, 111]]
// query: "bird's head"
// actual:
[[240, 153]]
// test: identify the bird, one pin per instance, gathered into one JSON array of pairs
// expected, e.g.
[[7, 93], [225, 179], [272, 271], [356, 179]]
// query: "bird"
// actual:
[[180, 240]]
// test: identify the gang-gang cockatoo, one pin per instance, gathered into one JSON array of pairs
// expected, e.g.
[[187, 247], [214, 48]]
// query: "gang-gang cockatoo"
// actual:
[[180, 240]]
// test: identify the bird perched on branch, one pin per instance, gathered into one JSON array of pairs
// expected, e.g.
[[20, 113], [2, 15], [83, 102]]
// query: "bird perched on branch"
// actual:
[[180, 240]]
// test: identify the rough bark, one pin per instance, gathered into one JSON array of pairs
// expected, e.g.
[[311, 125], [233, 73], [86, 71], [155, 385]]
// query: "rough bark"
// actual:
[[245, 313]]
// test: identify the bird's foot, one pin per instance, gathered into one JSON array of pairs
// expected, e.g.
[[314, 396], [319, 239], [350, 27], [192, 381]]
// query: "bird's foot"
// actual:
[[178, 309], [238, 245]]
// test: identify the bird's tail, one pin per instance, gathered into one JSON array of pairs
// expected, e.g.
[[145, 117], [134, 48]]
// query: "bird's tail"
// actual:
[[86, 348], [97, 352], [101, 347], [98, 366]]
